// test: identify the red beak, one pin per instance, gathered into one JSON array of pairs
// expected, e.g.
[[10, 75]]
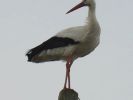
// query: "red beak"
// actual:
[[76, 7]]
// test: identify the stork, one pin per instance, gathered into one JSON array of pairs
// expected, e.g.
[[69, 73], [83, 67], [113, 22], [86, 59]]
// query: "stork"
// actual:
[[71, 43]]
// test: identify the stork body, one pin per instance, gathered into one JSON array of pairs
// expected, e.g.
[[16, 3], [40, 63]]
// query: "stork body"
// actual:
[[70, 43]]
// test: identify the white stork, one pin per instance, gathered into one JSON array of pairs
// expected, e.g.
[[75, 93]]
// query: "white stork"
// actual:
[[71, 43]]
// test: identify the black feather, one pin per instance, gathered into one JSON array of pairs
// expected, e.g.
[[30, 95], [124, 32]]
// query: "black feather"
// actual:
[[54, 42]]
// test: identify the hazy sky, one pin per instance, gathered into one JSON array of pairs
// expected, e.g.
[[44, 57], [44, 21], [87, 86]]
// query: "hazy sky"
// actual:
[[105, 74]]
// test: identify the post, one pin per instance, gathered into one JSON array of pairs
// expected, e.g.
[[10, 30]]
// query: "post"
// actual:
[[68, 94]]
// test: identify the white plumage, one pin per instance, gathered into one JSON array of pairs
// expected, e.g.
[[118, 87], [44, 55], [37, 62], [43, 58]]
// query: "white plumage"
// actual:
[[70, 43]]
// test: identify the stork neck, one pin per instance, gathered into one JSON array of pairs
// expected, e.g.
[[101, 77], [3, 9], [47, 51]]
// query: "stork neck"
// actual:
[[92, 15]]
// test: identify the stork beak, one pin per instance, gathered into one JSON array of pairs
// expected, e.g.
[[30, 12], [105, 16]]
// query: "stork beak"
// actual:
[[77, 7]]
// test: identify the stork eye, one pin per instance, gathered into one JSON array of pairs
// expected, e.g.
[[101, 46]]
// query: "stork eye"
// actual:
[[85, 2]]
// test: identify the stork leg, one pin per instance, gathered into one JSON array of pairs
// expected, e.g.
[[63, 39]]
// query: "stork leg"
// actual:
[[65, 80], [68, 66]]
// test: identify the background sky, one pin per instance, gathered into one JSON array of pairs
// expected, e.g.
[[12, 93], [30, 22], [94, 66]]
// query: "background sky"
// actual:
[[105, 74]]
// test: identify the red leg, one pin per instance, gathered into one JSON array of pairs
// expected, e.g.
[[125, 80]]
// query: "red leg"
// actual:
[[69, 82], [65, 79], [68, 66]]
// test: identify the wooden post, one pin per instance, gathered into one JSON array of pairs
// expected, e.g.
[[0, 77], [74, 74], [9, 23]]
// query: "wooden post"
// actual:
[[68, 94]]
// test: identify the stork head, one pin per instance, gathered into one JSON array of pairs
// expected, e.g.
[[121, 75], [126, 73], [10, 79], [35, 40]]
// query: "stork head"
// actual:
[[89, 3]]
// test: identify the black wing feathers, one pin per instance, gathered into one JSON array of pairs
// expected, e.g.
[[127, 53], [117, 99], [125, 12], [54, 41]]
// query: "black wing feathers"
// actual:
[[54, 42]]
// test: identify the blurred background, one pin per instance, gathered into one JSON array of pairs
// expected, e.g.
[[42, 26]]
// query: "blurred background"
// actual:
[[105, 74]]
